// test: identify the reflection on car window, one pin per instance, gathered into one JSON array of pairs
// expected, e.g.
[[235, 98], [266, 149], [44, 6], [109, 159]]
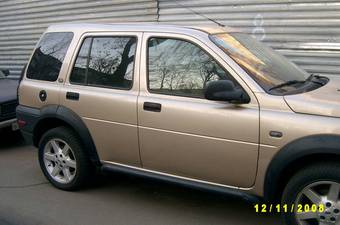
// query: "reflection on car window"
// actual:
[[178, 67], [49, 56], [266, 66], [110, 63], [80, 67]]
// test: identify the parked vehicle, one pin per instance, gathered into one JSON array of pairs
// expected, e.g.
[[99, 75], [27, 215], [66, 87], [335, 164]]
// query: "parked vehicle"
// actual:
[[8, 100], [205, 106]]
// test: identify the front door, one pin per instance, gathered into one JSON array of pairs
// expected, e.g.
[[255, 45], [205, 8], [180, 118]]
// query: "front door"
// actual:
[[103, 88], [182, 133]]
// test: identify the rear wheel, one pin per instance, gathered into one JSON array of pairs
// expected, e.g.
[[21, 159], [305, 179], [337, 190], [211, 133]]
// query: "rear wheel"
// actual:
[[63, 160], [314, 193]]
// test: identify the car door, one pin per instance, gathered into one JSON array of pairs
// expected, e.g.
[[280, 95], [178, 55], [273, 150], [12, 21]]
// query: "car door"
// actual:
[[183, 134], [102, 88]]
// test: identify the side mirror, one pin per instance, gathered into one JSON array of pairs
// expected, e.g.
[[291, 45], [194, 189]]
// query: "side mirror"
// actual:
[[225, 90], [5, 72]]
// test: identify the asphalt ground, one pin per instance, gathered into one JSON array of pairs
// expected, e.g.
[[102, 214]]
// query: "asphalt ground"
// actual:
[[26, 198]]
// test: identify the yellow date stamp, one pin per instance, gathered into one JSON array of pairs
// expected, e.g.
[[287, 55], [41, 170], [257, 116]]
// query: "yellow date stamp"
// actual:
[[285, 208]]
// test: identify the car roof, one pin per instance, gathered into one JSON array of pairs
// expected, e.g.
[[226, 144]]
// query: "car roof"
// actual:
[[139, 27]]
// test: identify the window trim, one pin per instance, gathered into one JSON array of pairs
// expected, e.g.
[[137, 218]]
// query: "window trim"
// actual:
[[191, 42], [32, 55], [92, 36]]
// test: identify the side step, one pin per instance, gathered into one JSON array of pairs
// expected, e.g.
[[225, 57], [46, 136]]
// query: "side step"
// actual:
[[110, 167]]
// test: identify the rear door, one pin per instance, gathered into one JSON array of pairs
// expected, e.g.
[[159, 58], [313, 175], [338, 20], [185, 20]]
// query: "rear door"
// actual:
[[182, 133], [102, 88]]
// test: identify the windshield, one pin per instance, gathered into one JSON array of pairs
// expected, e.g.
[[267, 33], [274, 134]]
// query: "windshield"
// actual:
[[267, 67]]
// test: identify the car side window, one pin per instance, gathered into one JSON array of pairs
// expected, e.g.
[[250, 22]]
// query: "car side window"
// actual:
[[80, 68], [48, 56], [178, 67], [105, 62]]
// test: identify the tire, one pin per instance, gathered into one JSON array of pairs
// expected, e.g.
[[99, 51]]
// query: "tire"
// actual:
[[318, 179], [69, 171]]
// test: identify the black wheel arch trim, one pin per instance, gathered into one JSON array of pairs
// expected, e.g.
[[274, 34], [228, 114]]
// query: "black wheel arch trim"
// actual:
[[296, 150], [33, 116]]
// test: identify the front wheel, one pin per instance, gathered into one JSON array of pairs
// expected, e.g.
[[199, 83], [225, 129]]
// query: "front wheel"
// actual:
[[314, 194], [63, 160]]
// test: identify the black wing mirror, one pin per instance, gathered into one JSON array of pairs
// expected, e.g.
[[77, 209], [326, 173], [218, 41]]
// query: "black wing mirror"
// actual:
[[5, 72], [225, 90]]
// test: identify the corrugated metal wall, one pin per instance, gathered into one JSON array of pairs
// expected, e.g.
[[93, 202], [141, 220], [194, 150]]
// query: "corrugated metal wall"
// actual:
[[23, 21], [306, 31]]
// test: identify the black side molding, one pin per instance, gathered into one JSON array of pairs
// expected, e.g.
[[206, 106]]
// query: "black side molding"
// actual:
[[79, 126], [108, 167]]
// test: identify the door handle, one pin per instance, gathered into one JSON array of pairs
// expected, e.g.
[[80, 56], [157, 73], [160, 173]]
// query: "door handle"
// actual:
[[152, 106], [72, 96]]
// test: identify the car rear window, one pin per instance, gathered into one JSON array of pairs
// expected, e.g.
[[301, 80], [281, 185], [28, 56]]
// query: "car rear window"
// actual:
[[105, 62], [48, 56]]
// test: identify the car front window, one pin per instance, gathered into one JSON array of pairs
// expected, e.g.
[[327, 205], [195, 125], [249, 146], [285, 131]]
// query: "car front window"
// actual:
[[181, 68], [266, 66]]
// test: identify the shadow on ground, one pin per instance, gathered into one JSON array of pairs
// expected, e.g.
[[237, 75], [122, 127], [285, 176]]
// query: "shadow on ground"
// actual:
[[9, 139]]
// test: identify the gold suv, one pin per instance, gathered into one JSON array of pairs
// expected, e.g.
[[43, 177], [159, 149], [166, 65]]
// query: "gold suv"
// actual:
[[206, 106]]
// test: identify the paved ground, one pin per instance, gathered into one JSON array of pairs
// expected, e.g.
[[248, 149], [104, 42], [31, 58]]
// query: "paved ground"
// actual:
[[27, 199]]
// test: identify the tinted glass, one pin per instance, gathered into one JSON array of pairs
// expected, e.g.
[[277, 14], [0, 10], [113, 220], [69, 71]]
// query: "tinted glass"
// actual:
[[80, 67], [48, 57], [110, 63], [178, 67]]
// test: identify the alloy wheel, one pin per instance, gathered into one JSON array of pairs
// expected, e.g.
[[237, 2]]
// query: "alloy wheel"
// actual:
[[60, 161], [324, 194]]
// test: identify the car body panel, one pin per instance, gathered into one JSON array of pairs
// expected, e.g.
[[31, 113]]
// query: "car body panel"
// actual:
[[275, 115], [322, 101], [32, 89], [111, 117]]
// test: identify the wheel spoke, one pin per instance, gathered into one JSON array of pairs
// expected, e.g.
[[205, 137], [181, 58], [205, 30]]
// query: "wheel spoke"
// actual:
[[55, 146], [55, 171], [49, 156], [67, 174], [333, 193], [66, 150], [306, 215], [71, 163], [312, 195]]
